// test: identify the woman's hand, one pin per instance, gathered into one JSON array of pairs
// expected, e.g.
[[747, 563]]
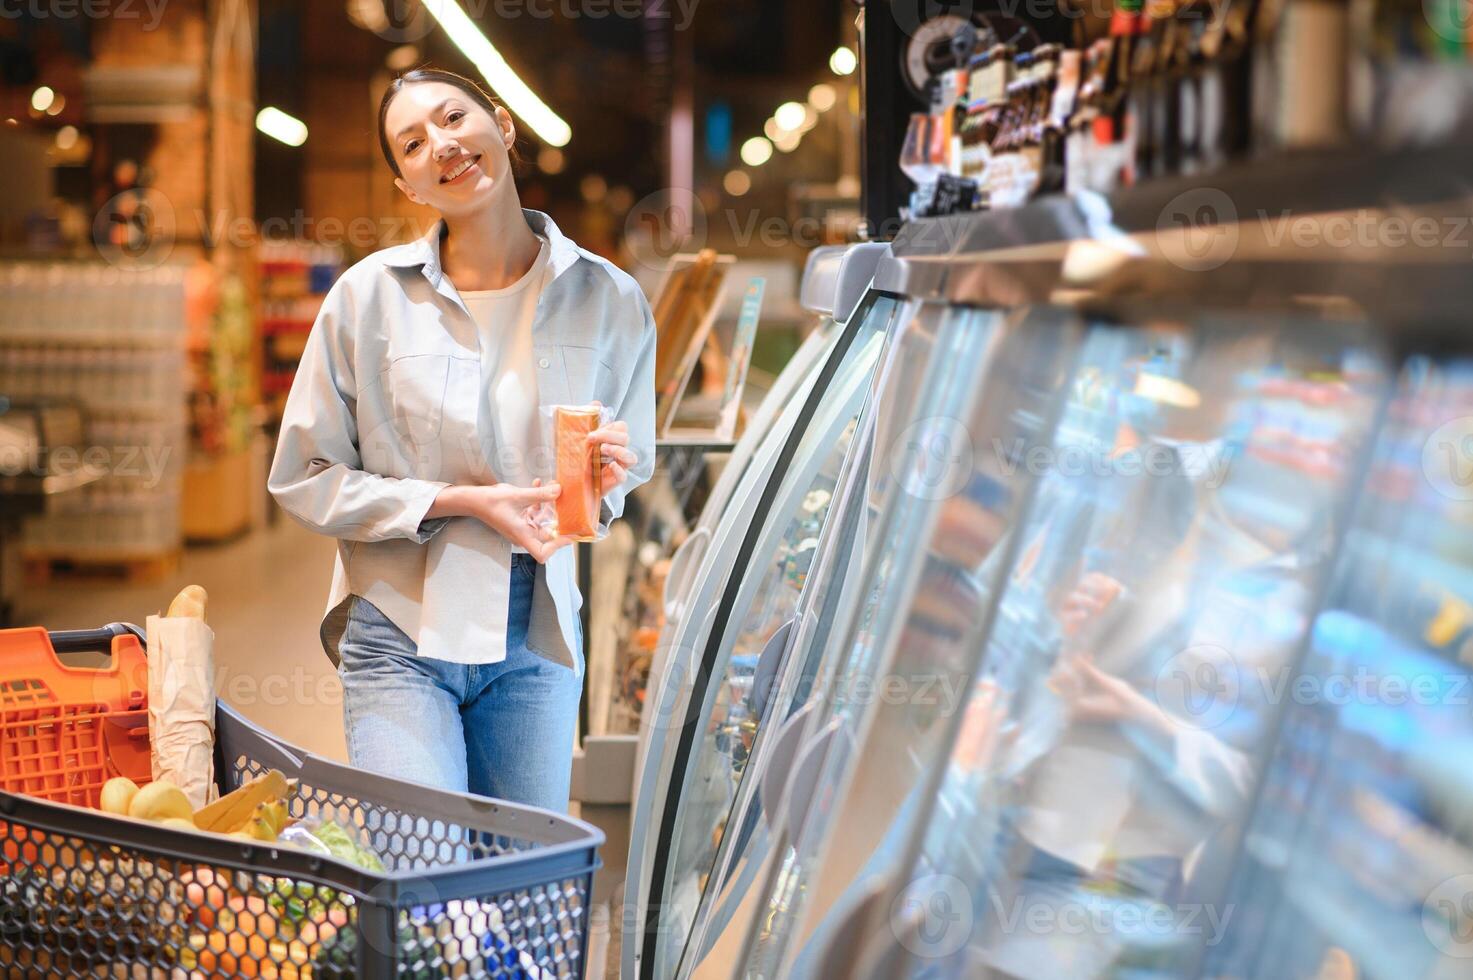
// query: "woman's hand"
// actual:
[[511, 511], [1095, 697], [1092, 595], [616, 456]]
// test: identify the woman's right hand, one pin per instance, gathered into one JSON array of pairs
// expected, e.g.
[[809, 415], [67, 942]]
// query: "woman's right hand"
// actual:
[[508, 510]]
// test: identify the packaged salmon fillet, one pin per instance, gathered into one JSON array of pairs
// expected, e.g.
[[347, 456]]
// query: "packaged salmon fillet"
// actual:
[[578, 470]]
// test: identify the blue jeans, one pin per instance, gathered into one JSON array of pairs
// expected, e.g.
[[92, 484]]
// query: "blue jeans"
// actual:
[[503, 730]]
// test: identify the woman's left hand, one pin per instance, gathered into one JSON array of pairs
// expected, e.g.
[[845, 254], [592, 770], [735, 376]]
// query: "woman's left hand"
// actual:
[[615, 454]]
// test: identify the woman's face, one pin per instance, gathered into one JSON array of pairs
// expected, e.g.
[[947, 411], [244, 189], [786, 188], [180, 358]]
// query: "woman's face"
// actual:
[[452, 153]]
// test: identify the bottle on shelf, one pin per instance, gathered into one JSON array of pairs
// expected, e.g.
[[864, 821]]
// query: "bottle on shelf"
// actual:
[[1301, 74]]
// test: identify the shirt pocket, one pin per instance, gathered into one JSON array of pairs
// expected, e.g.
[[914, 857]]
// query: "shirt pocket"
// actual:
[[589, 377], [415, 388], [405, 440]]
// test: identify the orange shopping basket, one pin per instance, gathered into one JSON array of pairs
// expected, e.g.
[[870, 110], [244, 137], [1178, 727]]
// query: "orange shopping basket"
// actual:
[[64, 731]]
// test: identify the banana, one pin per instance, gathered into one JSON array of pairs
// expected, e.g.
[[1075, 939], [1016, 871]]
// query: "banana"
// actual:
[[231, 811]]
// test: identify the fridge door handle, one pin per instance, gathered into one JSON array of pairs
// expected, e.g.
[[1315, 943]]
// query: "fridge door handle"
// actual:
[[803, 781], [850, 948], [768, 662], [786, 744], [686, 559]]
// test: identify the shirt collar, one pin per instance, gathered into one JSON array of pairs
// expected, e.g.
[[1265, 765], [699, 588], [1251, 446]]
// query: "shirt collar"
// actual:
[[424, 252]]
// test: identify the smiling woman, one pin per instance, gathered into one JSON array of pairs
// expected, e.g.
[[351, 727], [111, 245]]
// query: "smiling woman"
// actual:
[[468, 90], [412, 434]]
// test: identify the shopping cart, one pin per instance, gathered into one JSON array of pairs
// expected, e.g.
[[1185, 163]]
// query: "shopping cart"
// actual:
[[473, 887]]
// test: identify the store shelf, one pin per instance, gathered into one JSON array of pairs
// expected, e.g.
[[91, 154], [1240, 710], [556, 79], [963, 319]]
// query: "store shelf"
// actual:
[[1103, 253]]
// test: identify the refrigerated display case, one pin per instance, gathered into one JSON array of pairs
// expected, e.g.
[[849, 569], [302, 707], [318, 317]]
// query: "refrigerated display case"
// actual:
[[788, 667], [768, 532], [720, 721], [922, 451], [1111, 736], [928, 587], [1359, 858], [834, 279], [1110, 741]]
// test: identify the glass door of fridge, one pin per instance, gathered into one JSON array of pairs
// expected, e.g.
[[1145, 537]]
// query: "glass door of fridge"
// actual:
[[726, 563], [960, 481], [829, 590], [1359, 859], [792, 387], [1192, 501], [716, 732]]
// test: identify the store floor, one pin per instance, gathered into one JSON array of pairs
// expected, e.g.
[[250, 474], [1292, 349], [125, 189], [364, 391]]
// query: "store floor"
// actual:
[[267, 592]]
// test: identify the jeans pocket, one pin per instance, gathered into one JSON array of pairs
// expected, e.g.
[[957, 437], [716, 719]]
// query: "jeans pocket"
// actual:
[[370, 636]]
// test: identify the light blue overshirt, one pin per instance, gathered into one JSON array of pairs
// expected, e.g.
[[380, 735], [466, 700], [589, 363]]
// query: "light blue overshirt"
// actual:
[[388, 408]]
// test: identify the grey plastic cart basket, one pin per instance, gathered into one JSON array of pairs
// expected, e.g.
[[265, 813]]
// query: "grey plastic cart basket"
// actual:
[[473, 887]]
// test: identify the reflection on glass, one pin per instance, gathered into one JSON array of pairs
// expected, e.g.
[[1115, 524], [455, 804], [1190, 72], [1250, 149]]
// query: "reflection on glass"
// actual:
[[636, 667], [959, 483], [784, 552], [1359, 859], [848, 539], [1170, 564]]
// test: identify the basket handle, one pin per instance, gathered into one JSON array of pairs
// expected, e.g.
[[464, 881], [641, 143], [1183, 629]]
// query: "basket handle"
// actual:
[[129, 659], [77, 641]]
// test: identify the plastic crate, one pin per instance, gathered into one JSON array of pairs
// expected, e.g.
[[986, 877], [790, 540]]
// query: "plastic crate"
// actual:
[[64, 731], [474, 887]]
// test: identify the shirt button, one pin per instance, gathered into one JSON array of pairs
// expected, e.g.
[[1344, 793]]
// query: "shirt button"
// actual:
[[543, 363]]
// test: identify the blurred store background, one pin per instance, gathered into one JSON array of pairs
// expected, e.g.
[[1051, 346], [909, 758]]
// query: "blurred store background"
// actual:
[[185, 179]]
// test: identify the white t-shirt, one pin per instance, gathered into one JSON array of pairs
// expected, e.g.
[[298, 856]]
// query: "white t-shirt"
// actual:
[[504, 317]]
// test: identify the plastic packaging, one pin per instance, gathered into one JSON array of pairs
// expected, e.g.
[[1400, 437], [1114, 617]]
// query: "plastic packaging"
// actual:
[[578, 468], [332, 839]]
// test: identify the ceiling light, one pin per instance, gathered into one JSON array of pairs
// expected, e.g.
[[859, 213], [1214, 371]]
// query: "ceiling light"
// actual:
[[280, 126], [788, 142], [822, 97], [789, 115], [843, 61], [66, 137], [593, 188], [42, 97], [756, 151], [519, 99], [736, 182], [772, 129], [550, 160], [369, 15], [402, 58]]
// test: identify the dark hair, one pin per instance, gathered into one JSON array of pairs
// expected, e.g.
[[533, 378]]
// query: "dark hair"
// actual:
[[415, 75]]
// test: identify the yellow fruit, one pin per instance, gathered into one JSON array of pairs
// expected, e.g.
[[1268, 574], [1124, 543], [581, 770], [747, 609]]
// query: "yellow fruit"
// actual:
[[117, 795], [262, 829], [159, 801], [178, 823], [232, 811]]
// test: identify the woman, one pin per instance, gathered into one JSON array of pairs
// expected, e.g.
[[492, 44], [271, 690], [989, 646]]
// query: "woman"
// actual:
[[413, 435]]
